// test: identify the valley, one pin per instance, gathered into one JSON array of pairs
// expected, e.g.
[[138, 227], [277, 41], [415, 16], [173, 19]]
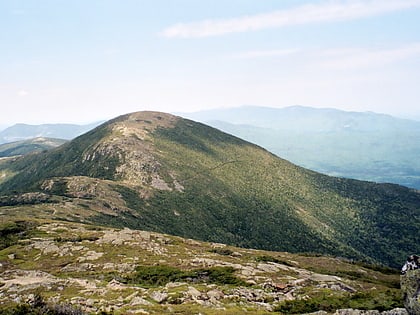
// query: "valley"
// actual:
[[365, 146]]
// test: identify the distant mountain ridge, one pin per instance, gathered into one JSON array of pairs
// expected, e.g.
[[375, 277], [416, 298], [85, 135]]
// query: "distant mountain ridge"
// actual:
[[163, 173], [19, 132], [303, 118], [360, 145], [29, 146]]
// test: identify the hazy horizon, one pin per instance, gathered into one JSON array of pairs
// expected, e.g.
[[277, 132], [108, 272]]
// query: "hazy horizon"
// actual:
[[4, 126], [84, 61]]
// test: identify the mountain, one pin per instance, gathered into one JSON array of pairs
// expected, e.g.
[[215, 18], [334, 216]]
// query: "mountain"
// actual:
[[29, 146], [302, 118], [159, 172], [19, 132], [366, 146]]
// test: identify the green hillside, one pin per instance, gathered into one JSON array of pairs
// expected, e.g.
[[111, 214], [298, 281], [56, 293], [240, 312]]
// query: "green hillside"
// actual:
[[159, 172], [360, 145]]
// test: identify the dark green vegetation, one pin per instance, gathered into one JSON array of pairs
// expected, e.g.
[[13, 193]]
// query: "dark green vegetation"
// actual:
[[23, 147], [364, 146], [39, 307], [69, 159], [158, 172], [11, 232], [154, 276], [329, 303], [267, 258]]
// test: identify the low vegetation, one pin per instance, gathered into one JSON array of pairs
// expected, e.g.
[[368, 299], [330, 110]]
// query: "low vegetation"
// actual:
[[161, 275], [12, 232], [80, 269], [331, 302], [38, 306]]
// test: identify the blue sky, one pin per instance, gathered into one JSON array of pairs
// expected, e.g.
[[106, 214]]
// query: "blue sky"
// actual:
[[87, 60]]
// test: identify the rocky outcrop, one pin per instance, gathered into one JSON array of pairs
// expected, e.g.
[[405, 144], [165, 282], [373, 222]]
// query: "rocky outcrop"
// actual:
[[396, 311], [92, 267], [410, 288]]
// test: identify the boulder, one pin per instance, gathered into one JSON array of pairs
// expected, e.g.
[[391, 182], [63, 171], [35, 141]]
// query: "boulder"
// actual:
[[410, 289], [396, 311], [158, 296]]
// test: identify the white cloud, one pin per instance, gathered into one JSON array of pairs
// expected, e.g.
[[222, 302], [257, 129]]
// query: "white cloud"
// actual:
[[328, 11], [22, 93]]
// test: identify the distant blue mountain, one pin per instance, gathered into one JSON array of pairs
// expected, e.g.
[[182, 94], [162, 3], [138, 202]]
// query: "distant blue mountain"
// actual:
[[361, 145], [301, 118], [21, 132]]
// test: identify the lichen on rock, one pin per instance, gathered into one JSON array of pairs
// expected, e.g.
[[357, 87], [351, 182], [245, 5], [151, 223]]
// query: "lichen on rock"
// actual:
[[410, 289]]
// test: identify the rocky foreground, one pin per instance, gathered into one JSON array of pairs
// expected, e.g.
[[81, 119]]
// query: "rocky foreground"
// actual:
[[122, 271], [410, 288]]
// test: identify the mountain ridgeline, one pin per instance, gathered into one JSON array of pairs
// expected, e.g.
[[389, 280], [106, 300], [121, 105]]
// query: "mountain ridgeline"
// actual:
[[360, 145], [163, 173], [21, 132]]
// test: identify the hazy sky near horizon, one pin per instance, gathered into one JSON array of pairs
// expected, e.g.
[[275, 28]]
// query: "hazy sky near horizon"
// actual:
[[86, 60]]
